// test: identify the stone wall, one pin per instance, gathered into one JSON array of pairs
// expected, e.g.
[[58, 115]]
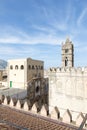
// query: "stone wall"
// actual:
[[58, 114], [21, 71], [68, 88]]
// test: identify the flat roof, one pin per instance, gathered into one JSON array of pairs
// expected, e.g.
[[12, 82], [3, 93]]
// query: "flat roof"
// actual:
[[14, 92], [24, 59]]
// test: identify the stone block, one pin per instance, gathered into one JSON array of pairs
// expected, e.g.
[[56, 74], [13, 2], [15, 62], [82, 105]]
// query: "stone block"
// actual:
[[5, 101], [34, 108], [67, 117], [44, 110], [55, 114], [26, 108], [11, 103], [79, 119], [18, 105]]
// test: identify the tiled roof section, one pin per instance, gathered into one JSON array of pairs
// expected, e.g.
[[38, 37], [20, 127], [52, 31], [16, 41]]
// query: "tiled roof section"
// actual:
[[30, 121], [4, 126]]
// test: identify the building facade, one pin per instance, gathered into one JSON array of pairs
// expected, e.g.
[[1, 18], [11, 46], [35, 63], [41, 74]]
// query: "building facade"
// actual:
[[67, 54], [21, 71], [37, 90], [68, 85]]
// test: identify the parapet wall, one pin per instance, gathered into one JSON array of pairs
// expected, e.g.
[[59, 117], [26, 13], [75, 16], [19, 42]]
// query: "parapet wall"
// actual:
[[73, 70], [68, 90], [58, 114]]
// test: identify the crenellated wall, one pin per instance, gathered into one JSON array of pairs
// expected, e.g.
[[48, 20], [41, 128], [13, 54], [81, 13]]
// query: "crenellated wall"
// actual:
[[62, 115], [67, 69], [68, 88]]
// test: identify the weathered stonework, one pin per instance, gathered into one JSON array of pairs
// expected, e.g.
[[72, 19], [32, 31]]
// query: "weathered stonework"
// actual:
[[67, 54], [68, 85], [68, 88], [37, 91]]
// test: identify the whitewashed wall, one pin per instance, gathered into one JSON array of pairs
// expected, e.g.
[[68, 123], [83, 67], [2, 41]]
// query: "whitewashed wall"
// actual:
[[68, 88]]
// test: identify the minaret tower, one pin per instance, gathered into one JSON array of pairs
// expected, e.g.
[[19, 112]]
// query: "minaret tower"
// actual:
[[67, 54]]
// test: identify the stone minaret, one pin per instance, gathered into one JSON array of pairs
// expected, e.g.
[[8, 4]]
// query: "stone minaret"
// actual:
[[67, 54]]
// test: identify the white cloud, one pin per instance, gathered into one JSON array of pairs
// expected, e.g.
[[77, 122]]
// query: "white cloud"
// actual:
[[59, 26], [7, 50], [81, 17], [30, 40], [44, 29], [12, 35]]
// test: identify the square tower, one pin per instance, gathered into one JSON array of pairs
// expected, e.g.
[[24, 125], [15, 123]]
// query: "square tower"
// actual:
[[67, 54], [21, 71]]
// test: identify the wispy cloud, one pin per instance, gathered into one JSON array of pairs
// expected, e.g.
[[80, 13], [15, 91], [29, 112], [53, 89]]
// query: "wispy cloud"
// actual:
[[44, 29], [40, 52], [25, 28], [59, 26], [81, 17], [21, 37]]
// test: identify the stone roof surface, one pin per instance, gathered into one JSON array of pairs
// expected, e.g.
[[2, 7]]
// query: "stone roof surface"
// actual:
[[13, 119]]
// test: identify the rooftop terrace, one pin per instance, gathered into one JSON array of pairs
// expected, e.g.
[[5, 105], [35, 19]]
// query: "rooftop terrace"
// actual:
[[12, 119]]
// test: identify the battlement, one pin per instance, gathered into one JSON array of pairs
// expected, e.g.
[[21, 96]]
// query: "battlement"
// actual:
[[80, 70], [58, 114]]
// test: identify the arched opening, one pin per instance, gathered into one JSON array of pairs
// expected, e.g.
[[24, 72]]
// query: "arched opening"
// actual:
[[41, 67], [16, 67], [11, 67], [29, 67], [66, 61], [33, 67], [37, 89], [22, 67]]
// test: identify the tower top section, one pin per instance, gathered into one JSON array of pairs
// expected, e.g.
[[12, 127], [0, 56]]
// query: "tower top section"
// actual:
[[67, 42], [67, 54]]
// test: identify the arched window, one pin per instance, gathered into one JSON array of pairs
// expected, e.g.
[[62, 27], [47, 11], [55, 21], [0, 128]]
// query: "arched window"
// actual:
[[41, 67], [33, 67], [11, 67], [16, 67], [66, 61], [37, 89], [66, 50], [22, 67], [29, 67]]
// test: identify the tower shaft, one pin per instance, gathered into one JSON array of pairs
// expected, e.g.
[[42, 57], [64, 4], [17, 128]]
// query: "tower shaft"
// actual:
[[67, 54]]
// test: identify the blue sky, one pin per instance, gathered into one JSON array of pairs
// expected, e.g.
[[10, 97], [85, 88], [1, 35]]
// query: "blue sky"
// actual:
[[36, 29]]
